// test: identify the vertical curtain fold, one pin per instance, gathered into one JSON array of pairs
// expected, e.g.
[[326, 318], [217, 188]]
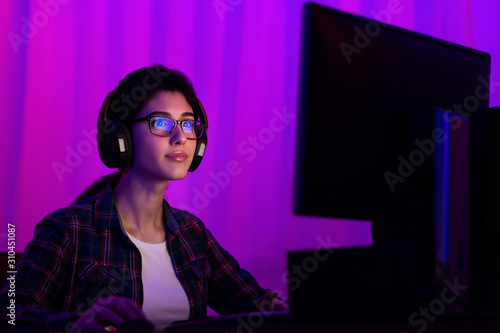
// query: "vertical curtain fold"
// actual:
[[60, 58]]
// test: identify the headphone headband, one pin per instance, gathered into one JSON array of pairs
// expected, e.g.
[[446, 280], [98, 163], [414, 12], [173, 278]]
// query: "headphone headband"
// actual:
[[115, 141]]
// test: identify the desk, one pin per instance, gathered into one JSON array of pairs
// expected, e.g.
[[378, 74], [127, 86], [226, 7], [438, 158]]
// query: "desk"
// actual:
[[260, 323]]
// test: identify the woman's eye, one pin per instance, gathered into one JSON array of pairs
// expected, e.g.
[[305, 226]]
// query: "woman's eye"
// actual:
[[160, 123]]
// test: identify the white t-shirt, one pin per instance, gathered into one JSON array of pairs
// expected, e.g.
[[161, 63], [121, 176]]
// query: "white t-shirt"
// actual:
[[165, 300]]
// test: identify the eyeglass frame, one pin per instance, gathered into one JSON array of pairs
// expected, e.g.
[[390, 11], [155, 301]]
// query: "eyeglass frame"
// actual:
[[176, 122]]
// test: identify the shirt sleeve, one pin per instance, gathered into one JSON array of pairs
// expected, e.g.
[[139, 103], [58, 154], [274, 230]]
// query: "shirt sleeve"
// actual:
[[231, 288], [40, 283]]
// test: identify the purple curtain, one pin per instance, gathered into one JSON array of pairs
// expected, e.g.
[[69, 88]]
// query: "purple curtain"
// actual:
[[60, 58]]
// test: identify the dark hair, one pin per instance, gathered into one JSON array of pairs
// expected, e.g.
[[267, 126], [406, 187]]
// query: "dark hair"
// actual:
[[99, 184], [131, 95], [139, 87]]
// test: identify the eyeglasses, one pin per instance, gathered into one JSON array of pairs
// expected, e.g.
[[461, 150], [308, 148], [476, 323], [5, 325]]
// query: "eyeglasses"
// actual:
[[164, 126]]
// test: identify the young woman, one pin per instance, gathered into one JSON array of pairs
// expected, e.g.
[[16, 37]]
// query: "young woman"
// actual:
[[120, 253]]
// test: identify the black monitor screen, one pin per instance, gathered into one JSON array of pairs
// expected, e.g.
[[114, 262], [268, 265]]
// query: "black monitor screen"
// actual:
[[367, 99]]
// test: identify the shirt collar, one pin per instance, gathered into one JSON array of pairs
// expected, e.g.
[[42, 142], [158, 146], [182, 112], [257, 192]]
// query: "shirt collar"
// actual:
[[106, 213], [170, 220]]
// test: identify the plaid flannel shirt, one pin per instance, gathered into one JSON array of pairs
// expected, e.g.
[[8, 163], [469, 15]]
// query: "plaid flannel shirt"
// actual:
[[81, 253]]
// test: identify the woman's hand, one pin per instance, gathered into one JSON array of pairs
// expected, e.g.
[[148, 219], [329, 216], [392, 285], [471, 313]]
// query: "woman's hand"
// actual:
[[107, 314], [272, 302]]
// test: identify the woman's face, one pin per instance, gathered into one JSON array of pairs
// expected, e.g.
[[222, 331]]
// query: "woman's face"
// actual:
[[163, 158]]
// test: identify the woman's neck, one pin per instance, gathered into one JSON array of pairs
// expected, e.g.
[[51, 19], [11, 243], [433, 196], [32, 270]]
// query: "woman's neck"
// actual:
[[140, 204]]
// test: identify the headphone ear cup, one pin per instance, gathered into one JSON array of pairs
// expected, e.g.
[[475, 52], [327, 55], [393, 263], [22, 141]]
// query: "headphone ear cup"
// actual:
[[201, 146], [115, 145], [201, 143]]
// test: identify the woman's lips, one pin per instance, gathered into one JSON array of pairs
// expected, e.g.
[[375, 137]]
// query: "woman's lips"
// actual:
[[177, 155]]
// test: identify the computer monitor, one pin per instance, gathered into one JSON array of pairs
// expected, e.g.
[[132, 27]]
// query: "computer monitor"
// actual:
[[374, 101]]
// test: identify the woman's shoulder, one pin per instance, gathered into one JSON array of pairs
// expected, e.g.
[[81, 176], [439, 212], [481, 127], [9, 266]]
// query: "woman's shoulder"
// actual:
[[60, 223], [82, 210], [188, 226]]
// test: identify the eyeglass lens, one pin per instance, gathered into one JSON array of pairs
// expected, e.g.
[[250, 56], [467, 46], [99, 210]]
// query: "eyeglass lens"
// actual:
[[163, 126]]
